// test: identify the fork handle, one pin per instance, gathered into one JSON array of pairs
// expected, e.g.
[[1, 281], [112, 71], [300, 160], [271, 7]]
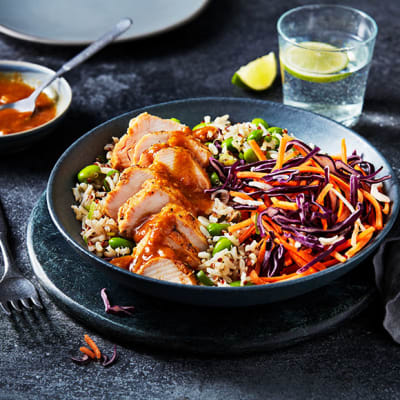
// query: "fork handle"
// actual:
[[96, 46], [5, 248]]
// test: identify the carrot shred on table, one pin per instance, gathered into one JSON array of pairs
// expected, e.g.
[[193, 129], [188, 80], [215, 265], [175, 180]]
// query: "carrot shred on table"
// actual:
[[88, 352], [256, 148], [93, 346]]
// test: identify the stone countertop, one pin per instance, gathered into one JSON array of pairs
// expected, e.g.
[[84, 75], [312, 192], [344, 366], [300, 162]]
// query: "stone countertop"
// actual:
[[357, 360]]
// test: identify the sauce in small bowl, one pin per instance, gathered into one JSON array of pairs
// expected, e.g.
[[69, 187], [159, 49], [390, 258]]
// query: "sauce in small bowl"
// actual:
[[12, 121], [17, 80]]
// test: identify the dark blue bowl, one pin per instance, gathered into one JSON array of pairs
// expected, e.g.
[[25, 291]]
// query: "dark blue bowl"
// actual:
[[309, 127]]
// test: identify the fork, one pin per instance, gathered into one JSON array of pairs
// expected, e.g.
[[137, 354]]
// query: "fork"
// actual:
[[14, 287], [28, 104]]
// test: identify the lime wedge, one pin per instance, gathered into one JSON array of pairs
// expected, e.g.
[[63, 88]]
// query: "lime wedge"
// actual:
[[315, 62], [258, 74]]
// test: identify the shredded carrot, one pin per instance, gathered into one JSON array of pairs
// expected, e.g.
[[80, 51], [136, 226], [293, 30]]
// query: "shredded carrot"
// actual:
[[360, 244], [93, 346], [250, 174], [256, 148], [338, 256], [378, 212], [323, 193], [291, 155], [344, 151], [240, 225], [242, 195], [261, 255], [284, 205], [88, 352], [331, 262], [300, 150], [386, 208], [281, 152], [247, 233]]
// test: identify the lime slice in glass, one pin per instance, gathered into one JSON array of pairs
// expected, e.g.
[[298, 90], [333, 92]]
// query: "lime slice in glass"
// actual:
[[258, 74], [315, 62]]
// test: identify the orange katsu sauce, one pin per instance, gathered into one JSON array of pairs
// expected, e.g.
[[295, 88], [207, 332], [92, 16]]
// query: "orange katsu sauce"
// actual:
[[12, 121]]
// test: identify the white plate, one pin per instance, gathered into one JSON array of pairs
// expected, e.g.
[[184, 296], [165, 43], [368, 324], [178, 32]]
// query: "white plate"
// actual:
[[79, 22]]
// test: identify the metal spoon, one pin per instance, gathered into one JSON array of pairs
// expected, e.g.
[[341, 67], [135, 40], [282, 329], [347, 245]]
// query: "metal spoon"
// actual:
[[28, 104]]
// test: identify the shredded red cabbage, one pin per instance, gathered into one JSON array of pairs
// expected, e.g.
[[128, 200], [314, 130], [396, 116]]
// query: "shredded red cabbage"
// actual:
[[117, 310]]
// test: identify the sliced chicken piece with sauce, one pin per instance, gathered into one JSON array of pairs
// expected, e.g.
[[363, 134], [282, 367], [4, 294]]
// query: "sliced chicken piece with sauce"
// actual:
[[138, 127], [166, 243], [173, 158], [180, 220], [172, 138], [184, 250], [149, 200], [168, 270], [130, 182]]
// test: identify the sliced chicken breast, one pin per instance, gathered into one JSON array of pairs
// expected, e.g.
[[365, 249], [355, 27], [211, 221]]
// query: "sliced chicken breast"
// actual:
[[172, 158], [180, 220], [148, 201], [172, 138], [138, 127], [130, 183], [183, 249], [165, 243], [168, 270]]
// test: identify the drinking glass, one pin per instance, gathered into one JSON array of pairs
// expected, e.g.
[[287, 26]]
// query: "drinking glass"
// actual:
[[325, 53]]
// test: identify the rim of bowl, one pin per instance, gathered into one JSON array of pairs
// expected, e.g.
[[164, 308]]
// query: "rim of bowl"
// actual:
[[38, 68], [71, 241]]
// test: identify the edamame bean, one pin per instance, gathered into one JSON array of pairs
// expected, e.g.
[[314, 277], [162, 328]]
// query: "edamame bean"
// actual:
[[116, 242], [92, 209], [276, 141], [204, 279], [227, 159], [215, 229], [214, 178], [260, 121], [228, 143], [275, 129], [89, 173], [105, 183], [249, 156], [175, 120], [223, 243], [256, 135], [198, 126]]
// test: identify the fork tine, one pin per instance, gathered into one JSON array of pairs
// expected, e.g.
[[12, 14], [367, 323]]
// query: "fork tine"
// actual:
[[26, 304], [5, 309], [36, 301], [16, 306]]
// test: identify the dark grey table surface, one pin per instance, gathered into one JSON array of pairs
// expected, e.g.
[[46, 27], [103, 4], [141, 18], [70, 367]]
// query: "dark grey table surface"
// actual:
[[358, 360]]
